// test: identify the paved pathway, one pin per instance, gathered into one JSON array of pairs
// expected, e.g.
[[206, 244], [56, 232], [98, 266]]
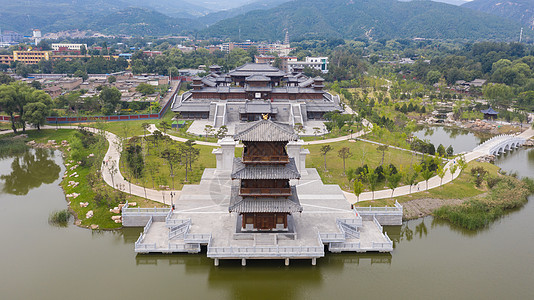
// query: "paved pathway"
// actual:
[[112, 158]]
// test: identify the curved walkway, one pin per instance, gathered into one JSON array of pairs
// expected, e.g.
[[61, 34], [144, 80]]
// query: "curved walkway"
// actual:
[[113, 177]]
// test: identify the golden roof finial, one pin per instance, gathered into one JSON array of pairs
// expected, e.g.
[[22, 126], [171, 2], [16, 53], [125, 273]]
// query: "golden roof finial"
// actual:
[[265, 116]]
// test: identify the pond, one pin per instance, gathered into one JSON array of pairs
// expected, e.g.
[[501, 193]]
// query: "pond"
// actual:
[[431, 259], [460, 139]]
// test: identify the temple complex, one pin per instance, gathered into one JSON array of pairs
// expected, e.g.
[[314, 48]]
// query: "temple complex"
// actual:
[[264, 204], [249, 91]]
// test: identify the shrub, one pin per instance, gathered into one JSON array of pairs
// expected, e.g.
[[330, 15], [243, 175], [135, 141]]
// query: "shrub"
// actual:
[[59, 218], [492, 181]]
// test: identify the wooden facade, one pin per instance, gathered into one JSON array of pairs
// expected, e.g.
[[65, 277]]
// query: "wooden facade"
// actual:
[[264, 221], [265, 195]]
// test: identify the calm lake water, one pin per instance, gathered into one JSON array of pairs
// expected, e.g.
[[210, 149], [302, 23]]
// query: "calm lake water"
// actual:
[[431, 259], [460, 139]]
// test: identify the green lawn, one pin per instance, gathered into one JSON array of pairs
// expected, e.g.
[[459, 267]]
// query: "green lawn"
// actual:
[[87, 190], [462, 187], [362, 153], [162, 175]]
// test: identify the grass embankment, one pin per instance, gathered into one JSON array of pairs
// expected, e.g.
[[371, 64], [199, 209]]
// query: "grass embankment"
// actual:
[[508, 193], [90, 187], [362, 153], [156, 170], [464, 203], [460, 188]]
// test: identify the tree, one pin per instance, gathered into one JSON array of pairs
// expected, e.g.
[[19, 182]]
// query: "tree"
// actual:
[[427, 174], [410, 178], [83, 50], [441, 171], [36, 85], [172, 157], [450, 150], [433, 76], [14, 98], [145, 127], [462, 164], [23, 70], [441, 150], [316, 131], [145, 89], [82, 74], [165, 125], [393, 179], [208, 129], [358, 189], [190, 155], [372, 179], [112, 79], [382, 148], [5, 79], [221, 133], [36, 113], [324, 150], [110, 97], [454, 167]]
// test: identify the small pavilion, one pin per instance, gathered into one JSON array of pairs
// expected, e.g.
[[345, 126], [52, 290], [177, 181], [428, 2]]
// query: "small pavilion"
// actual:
[[489, 114]]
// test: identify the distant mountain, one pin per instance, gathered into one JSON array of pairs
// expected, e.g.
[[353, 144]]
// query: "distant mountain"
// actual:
[[139, 22], [52, 15], [518, 10], [225, 14], [360, 18], [453, 2], [173, 8]]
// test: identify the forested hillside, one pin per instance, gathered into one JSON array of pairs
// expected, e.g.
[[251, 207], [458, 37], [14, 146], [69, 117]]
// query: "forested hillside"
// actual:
[[519, 10], [360, 18]]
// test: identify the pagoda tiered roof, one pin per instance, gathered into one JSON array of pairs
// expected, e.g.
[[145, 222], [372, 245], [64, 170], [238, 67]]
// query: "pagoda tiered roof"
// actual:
[[240, 204], [279, 171], [265, 131]]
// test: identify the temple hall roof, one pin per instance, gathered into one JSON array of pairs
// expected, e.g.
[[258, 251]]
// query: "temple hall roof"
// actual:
[[265, 131], [287, 171]]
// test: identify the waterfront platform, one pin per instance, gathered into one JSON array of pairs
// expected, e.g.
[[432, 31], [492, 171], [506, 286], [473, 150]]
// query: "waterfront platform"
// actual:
[[201, 218]]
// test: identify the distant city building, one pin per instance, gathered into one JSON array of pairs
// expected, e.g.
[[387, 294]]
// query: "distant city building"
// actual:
[[270, 59], [10, 37], [263, 48], [68, 47], [37, 37], [31, 57], [152, 53], [290, 63], [6, 59], [317, 63]]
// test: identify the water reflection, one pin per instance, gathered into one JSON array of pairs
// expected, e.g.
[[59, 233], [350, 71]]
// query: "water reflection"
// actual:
[[460, 139], [29, 170]]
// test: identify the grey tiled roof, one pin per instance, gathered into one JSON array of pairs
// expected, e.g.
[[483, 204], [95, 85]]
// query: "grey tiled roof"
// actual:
[[287, 171], [192, 107], [258, 77], [239, 204], [265, 131]]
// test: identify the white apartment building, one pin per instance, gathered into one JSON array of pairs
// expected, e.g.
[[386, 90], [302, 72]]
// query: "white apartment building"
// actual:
[[73, 47], [318, 63]]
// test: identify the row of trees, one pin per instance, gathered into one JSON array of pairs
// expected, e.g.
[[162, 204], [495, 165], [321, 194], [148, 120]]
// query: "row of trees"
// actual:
[[389, 175], [24, 105]]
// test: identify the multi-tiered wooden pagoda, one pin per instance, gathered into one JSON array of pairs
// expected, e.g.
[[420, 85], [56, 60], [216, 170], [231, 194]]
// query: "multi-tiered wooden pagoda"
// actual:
[[263, 197]]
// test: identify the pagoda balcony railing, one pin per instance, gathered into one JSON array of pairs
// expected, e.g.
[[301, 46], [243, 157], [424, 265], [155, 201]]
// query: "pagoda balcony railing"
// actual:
[[265, 192], [265, 159]]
